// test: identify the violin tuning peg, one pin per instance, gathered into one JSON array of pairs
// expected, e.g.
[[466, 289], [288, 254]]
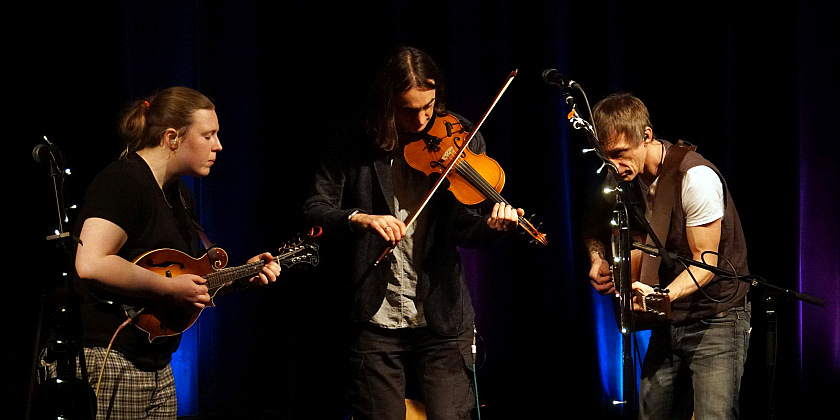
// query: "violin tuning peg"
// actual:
[[585, 151]]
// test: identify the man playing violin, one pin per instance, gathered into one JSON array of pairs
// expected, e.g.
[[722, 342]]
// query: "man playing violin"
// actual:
[[411, 312], [685, 195]]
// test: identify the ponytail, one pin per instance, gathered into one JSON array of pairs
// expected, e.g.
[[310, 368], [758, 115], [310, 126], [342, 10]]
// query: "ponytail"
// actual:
[[144, 122]]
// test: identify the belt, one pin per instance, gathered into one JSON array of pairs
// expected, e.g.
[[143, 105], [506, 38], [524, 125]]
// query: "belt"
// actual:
[[724, 313]]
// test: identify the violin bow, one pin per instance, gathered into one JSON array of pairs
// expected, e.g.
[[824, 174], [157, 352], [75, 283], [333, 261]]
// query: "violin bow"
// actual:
[[413, 216]]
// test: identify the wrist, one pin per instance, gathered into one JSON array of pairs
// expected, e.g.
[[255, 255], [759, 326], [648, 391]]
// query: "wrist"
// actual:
[[350, 218]]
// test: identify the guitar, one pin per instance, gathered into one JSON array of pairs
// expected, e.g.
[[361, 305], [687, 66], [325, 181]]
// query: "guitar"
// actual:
[[656, 305], [163, 322], [656, 309], [414, 410]]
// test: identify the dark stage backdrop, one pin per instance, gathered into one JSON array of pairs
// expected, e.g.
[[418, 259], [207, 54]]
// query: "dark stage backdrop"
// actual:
[[754, 85]]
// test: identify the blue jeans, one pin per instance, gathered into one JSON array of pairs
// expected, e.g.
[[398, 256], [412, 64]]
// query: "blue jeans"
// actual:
[[696, 366]]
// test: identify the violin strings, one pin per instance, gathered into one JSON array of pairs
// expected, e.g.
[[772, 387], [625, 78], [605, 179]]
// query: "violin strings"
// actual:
[[476, 180], [468, 172]]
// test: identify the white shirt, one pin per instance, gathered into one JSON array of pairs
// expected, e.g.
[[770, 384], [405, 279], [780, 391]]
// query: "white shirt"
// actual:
[[701, 194]]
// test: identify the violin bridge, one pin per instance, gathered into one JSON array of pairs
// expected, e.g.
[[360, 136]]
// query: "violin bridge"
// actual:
[[447, 155]]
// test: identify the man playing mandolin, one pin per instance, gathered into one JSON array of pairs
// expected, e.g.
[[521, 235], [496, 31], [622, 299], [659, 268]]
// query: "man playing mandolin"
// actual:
[[411, 312], [139, 204], [685, 195]]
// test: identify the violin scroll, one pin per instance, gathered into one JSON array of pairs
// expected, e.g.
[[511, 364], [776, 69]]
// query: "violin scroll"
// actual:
[[533, 230]]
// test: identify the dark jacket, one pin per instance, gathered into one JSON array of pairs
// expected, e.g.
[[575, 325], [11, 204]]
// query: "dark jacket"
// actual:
[[361, 180]]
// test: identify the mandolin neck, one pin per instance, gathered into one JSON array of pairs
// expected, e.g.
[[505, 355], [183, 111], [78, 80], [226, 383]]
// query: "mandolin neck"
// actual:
[[221, 277]]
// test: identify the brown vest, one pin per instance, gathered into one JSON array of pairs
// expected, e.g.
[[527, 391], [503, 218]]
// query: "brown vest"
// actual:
[[667, 212]]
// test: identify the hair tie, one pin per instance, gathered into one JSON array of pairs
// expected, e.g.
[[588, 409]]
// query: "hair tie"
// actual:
[[147, 104]]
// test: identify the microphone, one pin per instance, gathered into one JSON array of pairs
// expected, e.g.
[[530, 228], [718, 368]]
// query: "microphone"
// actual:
[[43, 152], [554, 77]]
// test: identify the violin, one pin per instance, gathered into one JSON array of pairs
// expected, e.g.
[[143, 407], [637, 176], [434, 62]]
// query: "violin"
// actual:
[[473, 177], [448, 153]]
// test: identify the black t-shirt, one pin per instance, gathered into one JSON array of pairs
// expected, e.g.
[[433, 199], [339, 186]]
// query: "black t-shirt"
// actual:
[[126, 194]]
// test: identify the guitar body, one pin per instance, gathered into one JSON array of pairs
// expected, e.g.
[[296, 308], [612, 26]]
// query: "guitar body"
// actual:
[[163, 321], [414, 410]]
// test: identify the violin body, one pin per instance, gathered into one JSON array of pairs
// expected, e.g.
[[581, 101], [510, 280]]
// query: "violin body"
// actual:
[[473, 177], [444, 141]]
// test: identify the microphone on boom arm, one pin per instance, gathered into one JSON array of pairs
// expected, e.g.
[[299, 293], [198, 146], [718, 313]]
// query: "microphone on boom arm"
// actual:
[[554, 77]]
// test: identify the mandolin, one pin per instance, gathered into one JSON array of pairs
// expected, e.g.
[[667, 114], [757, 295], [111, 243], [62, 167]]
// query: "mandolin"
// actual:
[[160, 321]]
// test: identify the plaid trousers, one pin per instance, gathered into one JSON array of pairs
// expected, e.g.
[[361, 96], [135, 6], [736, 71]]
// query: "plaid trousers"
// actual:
[[126, 392]]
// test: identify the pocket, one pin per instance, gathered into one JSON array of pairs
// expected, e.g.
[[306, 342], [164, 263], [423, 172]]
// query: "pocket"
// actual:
[[354, 364], [728, 319]]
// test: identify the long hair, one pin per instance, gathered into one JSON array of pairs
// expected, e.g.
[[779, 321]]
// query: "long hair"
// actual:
[[404, 69], [621, 113], [144, 121]]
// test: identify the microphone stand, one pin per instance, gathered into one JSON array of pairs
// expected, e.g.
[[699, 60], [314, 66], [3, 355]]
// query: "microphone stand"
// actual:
[[627, 204], [755, 281], [64, 396]]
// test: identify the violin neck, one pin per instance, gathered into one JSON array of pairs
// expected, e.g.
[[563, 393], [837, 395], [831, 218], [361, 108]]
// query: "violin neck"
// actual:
[[466, 171]]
